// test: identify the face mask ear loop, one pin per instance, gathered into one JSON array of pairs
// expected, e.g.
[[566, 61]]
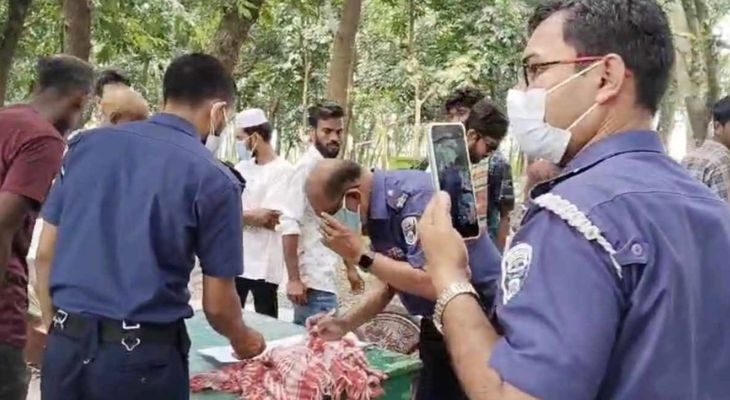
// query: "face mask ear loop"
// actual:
[[575, 76], [585, 114]]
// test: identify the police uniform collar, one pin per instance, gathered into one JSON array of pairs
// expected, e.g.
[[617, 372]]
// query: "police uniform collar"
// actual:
[[175, 122], [627, 142], [378, 204]]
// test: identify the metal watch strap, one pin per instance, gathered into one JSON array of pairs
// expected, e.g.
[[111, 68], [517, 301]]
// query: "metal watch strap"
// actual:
[[450, 293]]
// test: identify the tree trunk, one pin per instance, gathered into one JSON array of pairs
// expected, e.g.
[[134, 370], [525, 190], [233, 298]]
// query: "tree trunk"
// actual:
[[77, 28], [17, 11], [709, 52], [232, 33], [343, 51]]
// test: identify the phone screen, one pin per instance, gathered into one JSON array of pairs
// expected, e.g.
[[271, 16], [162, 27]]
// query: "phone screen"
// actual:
[[451, 172]]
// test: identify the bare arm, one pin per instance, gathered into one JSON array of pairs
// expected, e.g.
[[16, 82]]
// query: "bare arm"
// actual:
[[12, 209], [221, 306], [470, 339], [403, 277], [291, 256], [375, 301], [44, 259]]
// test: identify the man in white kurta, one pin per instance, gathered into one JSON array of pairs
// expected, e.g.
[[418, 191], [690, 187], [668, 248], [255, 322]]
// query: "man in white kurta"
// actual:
[[266, 176]]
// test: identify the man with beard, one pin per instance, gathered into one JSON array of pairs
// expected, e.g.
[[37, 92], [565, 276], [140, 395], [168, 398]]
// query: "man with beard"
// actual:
[[133, 205], [266, 175], [311, 266], [31, 148], [492, 173]]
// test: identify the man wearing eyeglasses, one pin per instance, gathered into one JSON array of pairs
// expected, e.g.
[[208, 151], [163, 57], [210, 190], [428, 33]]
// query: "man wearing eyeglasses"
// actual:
[[615, 286]]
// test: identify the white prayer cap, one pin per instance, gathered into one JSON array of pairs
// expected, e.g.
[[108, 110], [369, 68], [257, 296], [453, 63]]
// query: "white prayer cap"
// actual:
[[250, 117]]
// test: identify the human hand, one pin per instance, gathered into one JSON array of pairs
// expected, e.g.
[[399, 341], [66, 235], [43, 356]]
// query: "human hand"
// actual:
[[442, 245], [264, 218], [341, 239], [357, 284], [215, 109], [327, 326], [248, 343], [296, 292]]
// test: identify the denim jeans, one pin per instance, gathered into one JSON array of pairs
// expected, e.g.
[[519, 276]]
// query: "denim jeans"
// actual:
[[317, 302]]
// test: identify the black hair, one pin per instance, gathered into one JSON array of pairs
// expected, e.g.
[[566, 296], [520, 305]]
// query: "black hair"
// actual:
[[487, 120], [721, 111], [464, 97], [323, 111], [64, 74], [343, 176], [637, 30], [196, 77], [109, 77], [264, 130]]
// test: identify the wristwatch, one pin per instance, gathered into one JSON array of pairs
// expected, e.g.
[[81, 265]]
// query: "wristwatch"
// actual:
[[366, 260], [450, 293]]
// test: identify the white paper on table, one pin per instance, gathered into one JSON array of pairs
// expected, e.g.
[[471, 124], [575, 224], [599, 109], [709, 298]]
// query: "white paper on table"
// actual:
[[224, 354]]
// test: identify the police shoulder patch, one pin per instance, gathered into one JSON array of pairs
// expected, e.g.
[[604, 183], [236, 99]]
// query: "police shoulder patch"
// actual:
[[410, 234], [515, 267]]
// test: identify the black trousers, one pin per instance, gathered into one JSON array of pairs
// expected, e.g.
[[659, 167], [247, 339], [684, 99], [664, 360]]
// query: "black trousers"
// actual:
[[438, 380], [265, 300], [14, 375], [87, 368]]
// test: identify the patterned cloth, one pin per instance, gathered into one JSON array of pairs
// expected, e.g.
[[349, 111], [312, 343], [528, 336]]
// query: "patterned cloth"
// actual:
[[710, 163], [312, 370], [501, 190], [480, 179]]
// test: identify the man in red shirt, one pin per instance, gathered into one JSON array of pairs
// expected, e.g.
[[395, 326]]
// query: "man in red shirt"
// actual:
[[31, 148]]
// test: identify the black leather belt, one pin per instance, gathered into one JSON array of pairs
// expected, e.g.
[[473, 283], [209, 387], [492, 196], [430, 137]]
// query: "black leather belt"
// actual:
[[130, 335]]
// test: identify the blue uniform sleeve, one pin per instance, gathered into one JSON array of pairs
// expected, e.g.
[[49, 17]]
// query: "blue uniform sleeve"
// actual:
[[219, 243], [559, 308], [51, 211], [485, 265]]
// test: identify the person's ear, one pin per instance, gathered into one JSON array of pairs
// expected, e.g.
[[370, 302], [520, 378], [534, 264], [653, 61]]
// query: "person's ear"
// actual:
[[472, 136], [114, 117], [613, 76]]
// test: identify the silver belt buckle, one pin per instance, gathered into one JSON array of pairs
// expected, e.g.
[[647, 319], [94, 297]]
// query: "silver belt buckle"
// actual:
[[59, 319], [130, 342]]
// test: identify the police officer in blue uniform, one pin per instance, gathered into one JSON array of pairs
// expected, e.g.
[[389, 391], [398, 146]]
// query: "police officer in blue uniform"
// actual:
[[133, 205], [391, 203], [615, 287]]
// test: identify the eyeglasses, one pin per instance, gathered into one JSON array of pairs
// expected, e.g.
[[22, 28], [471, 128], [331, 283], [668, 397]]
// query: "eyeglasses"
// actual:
[[530, 71]]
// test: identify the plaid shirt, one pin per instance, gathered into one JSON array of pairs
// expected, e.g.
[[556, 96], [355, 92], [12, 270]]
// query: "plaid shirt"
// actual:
[[710, 163]]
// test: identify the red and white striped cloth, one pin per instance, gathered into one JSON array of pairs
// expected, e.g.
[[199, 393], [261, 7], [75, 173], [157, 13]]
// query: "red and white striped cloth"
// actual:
[[307, 371]]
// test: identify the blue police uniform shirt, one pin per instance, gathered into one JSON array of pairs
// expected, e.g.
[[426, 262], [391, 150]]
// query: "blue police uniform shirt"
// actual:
[[133, 204], [397, 201], [576, 329]]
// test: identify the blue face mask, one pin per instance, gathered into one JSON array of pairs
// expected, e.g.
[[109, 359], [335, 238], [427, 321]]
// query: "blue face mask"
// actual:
[[351, 219], [244, 154]]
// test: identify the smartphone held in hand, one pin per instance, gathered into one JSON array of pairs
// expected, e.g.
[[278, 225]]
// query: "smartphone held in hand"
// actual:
[[451, 172]]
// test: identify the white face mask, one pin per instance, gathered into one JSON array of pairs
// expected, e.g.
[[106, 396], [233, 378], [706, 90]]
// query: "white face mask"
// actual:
[[212, 143], [537, 138]]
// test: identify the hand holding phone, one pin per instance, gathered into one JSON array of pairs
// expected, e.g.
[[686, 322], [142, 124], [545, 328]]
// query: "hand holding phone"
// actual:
[[451, 172]]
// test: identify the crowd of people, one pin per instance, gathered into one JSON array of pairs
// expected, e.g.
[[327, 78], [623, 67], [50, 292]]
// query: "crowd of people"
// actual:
[[611, 286]]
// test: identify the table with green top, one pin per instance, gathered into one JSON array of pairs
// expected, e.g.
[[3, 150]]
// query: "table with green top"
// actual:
[[401, 369]]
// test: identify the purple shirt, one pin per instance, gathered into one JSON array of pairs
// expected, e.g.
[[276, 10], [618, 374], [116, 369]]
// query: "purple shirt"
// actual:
[[397, 201], [575, 329]]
